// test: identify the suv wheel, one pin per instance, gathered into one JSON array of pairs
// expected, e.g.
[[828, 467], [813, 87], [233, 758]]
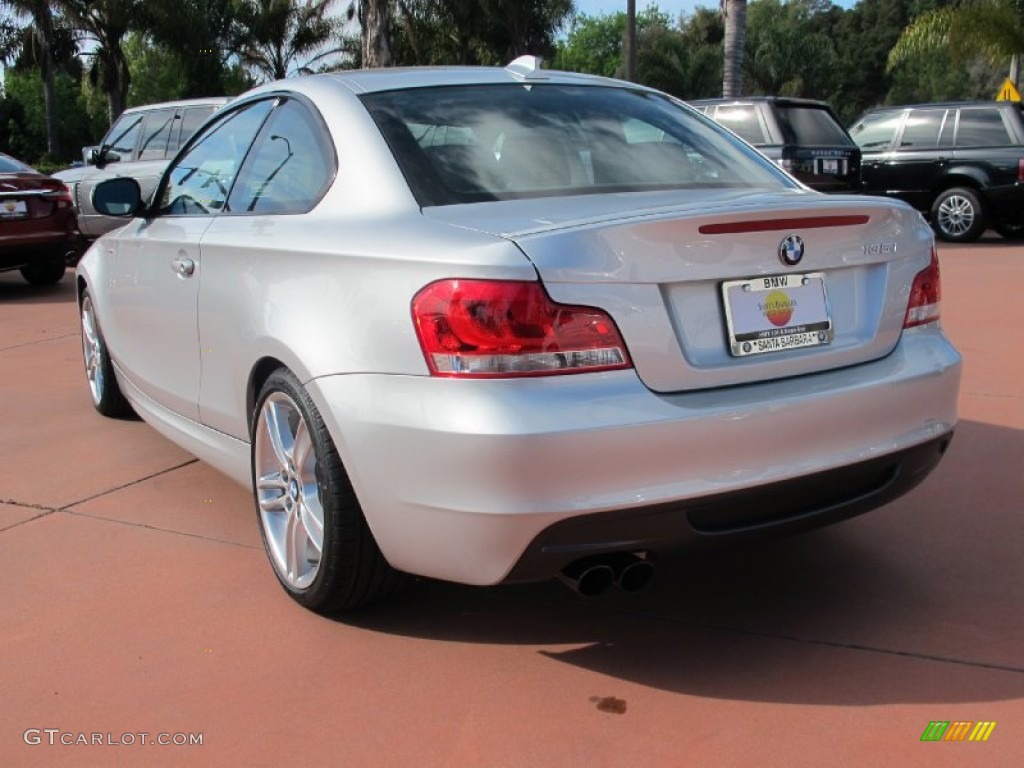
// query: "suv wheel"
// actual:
[[957, 215]]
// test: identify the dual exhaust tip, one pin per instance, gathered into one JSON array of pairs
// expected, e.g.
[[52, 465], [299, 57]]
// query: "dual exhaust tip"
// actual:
[[592, 576]]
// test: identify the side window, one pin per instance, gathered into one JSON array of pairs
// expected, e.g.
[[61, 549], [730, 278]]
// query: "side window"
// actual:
[[120, 141], [289, 168], [981, 128], [191, 119], [198, 184], [921, 131], [744, 122], [948, 128], [876, 131], [156, 132]]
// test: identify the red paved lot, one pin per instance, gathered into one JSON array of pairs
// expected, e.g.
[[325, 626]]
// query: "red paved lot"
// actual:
[[135, 598]]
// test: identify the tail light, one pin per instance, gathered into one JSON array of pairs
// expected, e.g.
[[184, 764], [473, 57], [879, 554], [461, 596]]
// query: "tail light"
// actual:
[[498, 328], [925, 294], [59, 193], [1020, 169]]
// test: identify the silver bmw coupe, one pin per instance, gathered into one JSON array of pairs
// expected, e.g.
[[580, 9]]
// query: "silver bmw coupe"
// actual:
[[505, 324]]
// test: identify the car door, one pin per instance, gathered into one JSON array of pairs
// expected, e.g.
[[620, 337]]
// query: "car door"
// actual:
[[924, 148], [252, 257], [159, 264], [118, 146], [875, 134]]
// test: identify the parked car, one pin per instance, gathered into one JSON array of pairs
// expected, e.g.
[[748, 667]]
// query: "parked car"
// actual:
[[139, 144], [961, 164], [802, 135], [496, 325], [38, 235]]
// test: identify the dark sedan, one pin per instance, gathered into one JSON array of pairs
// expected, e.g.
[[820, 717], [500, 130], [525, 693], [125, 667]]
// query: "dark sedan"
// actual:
[[38, 227]]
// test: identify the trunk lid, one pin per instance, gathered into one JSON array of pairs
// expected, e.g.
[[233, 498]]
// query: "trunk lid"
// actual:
[[656, 262]]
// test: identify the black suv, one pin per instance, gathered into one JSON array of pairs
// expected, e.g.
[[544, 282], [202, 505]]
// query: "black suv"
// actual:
[[801, 135], [961, 163]]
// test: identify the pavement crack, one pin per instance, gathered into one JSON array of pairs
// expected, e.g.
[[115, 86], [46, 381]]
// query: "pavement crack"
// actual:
[[67, 507], [39, 341], [158, 529], [43, 512]]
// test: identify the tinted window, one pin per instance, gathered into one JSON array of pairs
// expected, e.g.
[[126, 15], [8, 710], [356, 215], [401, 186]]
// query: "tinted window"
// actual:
[[200, 180], [744, 122], [810, 126], [10, 165], [921, 131], [876, 131], [190, 121], [122, 138], [289, 167], [156, 132], [981, 128], [511, 141]]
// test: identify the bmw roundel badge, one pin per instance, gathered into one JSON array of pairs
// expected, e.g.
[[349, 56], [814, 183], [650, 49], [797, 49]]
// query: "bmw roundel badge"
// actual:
[[791, 250]]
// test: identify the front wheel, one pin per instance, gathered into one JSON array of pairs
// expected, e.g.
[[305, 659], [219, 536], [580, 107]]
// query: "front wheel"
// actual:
[[313, 528], [106, 394], [958, 215]]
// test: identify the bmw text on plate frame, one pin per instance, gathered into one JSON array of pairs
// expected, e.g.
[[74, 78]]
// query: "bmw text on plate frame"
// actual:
[[470, 323]]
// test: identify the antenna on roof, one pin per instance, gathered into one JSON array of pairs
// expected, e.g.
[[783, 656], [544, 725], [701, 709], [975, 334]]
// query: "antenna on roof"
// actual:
[[526, 68]]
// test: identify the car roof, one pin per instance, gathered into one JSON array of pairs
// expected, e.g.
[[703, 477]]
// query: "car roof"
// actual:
[[402, 78], [947, 104], [741, 100], [203, 102]]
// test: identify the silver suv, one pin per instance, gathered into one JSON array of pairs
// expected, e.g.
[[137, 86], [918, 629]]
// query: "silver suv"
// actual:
[[140, 144]]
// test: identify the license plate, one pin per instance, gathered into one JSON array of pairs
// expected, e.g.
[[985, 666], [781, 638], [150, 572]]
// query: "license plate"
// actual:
[[830, 165], [13, 209], [776, 312]]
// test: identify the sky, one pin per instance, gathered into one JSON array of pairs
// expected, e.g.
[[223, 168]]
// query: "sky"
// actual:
[[671, 7]]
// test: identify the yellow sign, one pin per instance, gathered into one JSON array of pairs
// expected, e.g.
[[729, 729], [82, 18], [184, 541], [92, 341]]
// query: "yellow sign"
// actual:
[[1008, 92]]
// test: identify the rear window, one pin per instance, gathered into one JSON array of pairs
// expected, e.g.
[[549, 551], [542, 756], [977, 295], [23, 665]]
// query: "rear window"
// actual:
[[463, 144], [810, 126], [981, 128], [744, 122], [10, 165]]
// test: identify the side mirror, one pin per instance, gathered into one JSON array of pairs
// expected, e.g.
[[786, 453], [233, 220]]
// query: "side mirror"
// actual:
[[91, 155], [120, 196]]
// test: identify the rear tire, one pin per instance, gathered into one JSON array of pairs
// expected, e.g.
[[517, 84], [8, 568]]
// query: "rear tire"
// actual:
[[958, 215], [313, 528], [43, 273], [106, 394]]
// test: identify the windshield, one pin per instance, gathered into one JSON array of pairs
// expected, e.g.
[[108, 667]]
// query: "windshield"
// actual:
[[465, 144]]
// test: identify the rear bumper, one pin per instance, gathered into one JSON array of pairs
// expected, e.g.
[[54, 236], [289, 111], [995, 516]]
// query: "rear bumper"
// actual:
[[789, 506], [468, 480]]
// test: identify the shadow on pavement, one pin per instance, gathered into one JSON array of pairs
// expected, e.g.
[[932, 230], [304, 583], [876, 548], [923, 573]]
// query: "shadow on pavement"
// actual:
[[14, 290], [924, 593]]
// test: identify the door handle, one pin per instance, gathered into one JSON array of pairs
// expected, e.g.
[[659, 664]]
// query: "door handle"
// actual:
[[183, 267]]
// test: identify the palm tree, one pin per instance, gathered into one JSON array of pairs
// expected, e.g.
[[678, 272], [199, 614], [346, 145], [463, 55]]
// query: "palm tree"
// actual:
[[272, 35], [42, 34], [735, 14], [105, 23], [992, 28]]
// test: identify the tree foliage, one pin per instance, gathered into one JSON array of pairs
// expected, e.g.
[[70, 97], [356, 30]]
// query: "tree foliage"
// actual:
[[990, 28]]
